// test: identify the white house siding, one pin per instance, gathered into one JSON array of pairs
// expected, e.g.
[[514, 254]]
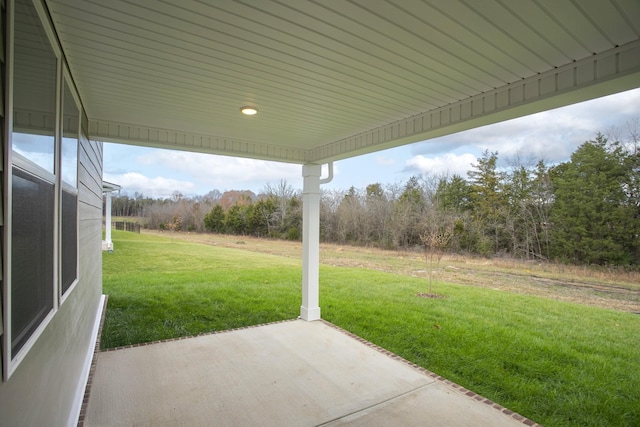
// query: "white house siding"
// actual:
[[47, 387], [2, 151]]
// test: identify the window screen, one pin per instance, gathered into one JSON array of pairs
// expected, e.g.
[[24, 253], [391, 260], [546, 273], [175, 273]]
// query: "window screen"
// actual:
[[31, 255], [69, 239]]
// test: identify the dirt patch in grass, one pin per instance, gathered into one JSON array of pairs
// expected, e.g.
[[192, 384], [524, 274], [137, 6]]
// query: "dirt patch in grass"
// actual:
[[430, 295], [619, 290]]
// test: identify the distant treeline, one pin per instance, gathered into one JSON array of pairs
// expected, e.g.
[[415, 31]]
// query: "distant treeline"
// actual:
[[584, 211]]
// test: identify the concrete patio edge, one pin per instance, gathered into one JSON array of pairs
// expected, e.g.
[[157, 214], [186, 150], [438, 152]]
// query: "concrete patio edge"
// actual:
[[426, 372], [433, 375]]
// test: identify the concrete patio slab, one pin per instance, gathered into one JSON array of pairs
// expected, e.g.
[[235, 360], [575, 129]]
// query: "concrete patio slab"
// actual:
[[293, 373]]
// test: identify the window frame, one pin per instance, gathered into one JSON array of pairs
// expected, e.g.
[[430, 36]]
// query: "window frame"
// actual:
[[26, 167], [62, 186], [10, 362]]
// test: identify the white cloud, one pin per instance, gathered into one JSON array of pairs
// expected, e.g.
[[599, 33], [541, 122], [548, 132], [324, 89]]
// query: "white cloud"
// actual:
[[192, 173], [220, 169], [385, 161], [157, 187], [621, 106], [448, 163]]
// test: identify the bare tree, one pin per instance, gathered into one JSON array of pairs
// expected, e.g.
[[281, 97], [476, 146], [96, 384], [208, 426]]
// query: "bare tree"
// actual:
[[329, 203], [436, 235], [282, 192]]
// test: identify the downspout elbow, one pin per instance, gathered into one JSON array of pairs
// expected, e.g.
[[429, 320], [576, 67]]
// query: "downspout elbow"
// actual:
[[330, 177]]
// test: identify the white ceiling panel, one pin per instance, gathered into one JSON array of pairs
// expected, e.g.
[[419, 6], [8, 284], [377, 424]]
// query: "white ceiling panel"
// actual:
[[336, 78]]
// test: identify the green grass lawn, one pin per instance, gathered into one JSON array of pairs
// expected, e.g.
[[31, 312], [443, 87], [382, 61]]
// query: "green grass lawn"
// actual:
[[557, 363]]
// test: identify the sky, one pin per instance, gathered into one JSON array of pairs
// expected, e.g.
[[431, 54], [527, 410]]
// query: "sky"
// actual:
[[550, 136]]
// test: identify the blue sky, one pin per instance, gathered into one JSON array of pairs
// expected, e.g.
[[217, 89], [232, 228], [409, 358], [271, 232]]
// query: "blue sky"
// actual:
[[551, 135]]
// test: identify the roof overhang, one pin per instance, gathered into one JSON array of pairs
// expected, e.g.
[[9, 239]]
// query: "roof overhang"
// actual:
[[337, 79], [108, 187]]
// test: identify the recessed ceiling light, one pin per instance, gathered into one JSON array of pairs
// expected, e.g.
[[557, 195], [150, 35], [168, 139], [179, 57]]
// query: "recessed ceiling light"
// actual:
[[249, 111]]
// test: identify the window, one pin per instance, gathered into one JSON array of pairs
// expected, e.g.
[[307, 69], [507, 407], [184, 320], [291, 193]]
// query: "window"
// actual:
[[43, 225], [33, 189], [31, 255], [69, 178]]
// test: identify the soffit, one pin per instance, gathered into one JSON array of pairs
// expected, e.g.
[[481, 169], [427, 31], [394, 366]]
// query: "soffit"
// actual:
[[334, 79]]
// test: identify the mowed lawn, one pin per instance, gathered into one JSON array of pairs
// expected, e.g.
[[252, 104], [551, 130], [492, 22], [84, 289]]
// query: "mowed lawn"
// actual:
[[558, 363]]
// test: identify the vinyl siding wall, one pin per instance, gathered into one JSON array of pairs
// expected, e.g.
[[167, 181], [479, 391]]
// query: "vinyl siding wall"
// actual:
[[47, 387]]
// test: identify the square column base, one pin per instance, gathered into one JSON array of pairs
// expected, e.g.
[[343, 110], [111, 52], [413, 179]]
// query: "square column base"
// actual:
[[310, 314]]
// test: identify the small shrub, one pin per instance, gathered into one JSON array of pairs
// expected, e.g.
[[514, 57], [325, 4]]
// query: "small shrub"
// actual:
[[293, 233]]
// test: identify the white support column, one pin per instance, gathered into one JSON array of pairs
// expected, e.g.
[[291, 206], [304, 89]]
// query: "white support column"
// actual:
[[310, 309], [107, 221]]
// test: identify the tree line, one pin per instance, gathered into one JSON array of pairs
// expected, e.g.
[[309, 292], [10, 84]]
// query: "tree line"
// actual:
[[583, 211]]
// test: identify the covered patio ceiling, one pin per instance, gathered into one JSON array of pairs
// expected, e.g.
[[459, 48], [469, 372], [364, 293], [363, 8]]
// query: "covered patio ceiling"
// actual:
[[334, 79]]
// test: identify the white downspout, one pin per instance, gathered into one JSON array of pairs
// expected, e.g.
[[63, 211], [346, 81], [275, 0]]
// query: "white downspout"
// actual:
[[329, 178]]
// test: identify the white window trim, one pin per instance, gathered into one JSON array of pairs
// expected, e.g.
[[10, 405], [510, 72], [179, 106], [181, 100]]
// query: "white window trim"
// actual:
[[10, 364], [62, 296], [6, 257]]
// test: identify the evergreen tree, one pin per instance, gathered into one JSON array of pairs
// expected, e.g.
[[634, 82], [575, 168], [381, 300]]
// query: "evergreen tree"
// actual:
[[412, 194], [408, 214], [488, 202], [292, 227], [453, 197], [541, 202], [350, 215], [593, 222], [214, 220], [235, 221], [632, 191], [453, 194], [374, 192], [378, 215]]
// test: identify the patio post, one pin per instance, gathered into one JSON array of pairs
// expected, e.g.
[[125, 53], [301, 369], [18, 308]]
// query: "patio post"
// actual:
[[310, 310], [107, 221]]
